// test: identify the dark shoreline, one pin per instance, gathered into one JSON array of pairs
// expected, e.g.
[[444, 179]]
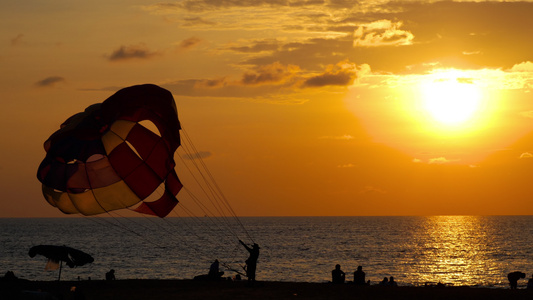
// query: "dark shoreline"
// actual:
[[192, 289]]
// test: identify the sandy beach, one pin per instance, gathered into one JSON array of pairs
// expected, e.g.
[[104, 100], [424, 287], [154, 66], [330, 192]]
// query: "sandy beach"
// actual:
[[191, 289]]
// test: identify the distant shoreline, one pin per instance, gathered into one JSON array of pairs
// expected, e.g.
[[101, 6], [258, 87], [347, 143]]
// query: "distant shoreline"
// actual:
[[132, 289]]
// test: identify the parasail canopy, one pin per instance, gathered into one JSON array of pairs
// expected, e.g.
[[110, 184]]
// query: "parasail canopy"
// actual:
[[104, 159]]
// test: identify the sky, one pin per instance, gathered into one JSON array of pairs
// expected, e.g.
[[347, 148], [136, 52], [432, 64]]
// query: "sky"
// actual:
[[300, 107]]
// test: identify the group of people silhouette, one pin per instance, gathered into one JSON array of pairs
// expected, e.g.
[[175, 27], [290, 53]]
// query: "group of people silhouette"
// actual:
[[250, 267], [338, 276]]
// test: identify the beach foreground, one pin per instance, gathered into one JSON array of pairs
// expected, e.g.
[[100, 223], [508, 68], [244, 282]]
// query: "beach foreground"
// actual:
[[191, 289]]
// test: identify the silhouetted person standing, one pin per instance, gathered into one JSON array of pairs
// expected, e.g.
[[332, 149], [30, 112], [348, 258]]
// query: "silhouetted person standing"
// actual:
[[514, 277], [359, 276], [251, 262], [337, 275]]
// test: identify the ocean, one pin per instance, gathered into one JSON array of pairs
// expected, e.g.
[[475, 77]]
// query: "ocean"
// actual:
[[454, 250]]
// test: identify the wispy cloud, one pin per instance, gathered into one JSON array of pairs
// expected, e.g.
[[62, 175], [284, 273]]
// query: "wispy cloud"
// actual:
[[342, 137], [526, 155], [372, 189], [197, 21], [435, 161], [440, 160], [18, 40], [49, 81], [198, 155], [139, 51], [382, 33], [268, 74], [525, 66], [341, 74], [257, 46], [350, 165], [189, 43]]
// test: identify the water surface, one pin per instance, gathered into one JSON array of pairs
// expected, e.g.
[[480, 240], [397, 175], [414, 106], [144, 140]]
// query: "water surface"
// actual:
[[458, 250]]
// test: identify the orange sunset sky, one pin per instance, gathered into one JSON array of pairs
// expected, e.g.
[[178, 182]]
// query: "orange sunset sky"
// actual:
[[300, 107]]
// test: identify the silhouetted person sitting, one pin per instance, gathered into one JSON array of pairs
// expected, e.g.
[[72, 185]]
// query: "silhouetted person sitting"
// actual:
[[337, 275], [214, 273], [359, 276], [110, 275], [10, 276], [392, 282], [251, 262], [514, 277], [384, 282], [530, 283]]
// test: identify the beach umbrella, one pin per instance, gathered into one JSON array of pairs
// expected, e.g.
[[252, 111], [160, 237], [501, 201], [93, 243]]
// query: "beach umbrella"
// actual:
[[58, 254]]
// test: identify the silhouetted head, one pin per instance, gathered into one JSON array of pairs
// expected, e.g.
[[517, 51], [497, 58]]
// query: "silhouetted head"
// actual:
[[256, 246], [337, 266], [391, 278], [359, 268]]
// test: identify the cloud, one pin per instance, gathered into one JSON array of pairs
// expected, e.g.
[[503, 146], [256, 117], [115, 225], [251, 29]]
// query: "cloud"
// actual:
[[131, 52], [342, 74], [197, 155], [527, 114], [278, 82], [342, 137], [189, 43], [258, 46], [275, 73], [472, 52], [49, 81], [205, 5], [526, 155], [196, 21], [382, 33], [346, 166], [525, 66], [435, 161], [440, 160], [210, 83], [372, 189], [17, 40]]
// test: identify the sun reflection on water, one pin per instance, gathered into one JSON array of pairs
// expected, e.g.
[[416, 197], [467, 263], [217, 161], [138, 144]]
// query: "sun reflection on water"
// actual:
[[453, 249]]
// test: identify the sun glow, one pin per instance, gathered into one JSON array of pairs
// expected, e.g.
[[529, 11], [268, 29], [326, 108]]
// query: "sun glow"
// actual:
[[450, 98]]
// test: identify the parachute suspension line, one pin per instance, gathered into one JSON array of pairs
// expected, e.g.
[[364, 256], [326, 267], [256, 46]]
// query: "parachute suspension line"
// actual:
[[214, 196], [198, 223], [213, 221], [121, 226], [207, 212], [208, 238], [218, 190]]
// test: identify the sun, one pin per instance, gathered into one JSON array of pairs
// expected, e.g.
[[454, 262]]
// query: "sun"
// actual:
[[449, 98]]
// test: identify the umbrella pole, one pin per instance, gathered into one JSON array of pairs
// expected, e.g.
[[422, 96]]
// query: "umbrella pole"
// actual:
[[60, 267]]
